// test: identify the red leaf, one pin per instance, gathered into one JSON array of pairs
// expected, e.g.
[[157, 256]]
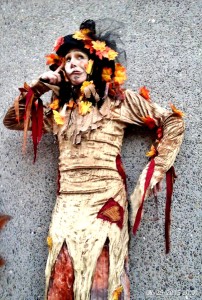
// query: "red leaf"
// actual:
[[3, 220], [150, 122]]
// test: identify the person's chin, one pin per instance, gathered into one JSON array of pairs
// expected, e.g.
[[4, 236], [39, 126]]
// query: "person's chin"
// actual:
[[76, 80]]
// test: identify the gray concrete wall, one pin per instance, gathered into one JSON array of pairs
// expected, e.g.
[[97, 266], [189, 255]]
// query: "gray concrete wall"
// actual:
[[163, 44]]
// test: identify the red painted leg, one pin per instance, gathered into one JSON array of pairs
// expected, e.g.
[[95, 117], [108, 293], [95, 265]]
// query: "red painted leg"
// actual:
[[100, 281], [62, 277]]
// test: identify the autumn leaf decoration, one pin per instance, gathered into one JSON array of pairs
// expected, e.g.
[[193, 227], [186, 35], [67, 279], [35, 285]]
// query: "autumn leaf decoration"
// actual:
[[58, 43], [176, 111], [99, 47], [84, 107], [54, 59], [89, 66], [55, 104], [120, 74], [144, 92], [149, 122], [106, 74], [152, 152], [3, 220], [59, 119], [117, 293]]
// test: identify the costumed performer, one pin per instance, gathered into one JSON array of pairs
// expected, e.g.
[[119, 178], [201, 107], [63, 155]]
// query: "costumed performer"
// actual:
[[89, 110]]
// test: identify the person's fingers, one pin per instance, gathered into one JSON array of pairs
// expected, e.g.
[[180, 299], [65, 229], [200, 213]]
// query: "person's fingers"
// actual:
[[52, 77]]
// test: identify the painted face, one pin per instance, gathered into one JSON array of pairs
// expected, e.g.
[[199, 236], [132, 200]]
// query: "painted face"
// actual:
[[75, 67]]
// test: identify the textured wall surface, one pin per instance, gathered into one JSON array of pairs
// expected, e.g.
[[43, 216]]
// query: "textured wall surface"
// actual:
[[162, 40]]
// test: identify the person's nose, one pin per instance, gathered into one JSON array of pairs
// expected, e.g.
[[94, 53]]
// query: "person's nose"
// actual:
[[73, 62]]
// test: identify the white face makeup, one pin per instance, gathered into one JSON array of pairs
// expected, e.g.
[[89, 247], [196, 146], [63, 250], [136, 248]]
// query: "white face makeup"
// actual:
[[75, 67]]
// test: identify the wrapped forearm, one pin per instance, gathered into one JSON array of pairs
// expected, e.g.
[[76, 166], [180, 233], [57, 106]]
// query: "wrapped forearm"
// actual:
[[137, 110], [15, 116]]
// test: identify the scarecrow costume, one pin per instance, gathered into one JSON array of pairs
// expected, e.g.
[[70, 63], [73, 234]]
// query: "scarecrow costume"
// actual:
[[88, 235]]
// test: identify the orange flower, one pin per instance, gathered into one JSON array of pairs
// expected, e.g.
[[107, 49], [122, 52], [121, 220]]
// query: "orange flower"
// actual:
[[150, 122], [152, 152], [89, 66], [120, 74], [55, 104], [106, 74], [117, 293], [82, 35], [176, 111], [144, 93], [58, 118], [84, 107], [58, 43]]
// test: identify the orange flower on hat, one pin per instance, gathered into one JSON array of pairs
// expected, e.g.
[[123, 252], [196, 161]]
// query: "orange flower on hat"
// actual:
[[58, 43], [144, 92], [100, 48], [176, 111], [89, 46], [99, 45], [110, 53], [53, 59], [120, 74], [106, 74]]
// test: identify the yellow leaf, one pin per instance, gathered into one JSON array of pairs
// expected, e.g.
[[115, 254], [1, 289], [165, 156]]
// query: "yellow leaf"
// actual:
[[81, 34], [84, 107], [49, 241], [152, 152], [112, 54], [120, 74], [98, 45], [89, 66], [85, 84], [117, 293], [58, 118]]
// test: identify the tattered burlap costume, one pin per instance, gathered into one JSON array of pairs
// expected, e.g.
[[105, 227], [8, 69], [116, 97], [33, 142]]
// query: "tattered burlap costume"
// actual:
[[91, 206]]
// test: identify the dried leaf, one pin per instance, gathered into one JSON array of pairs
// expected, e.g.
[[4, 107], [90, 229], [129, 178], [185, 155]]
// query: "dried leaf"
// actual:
[[144, 92], [176, 111], [150, 122]]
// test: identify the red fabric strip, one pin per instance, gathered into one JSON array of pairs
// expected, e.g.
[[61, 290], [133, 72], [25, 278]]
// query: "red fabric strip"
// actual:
[[37, 124], [149, 174], [170, 176]]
